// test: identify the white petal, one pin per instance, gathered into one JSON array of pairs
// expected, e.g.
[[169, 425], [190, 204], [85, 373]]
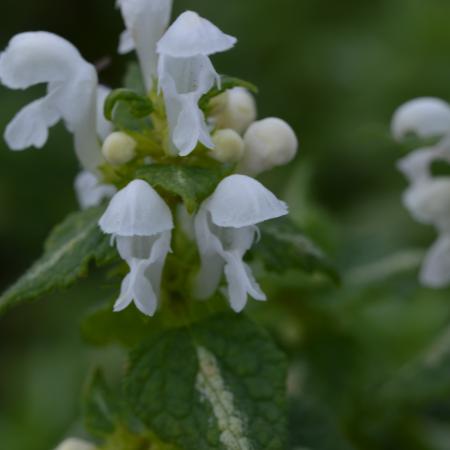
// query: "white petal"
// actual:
[[136, 210], [416, 166], [192, 35], [39, 57], [146, 21], [29, 128], [430, 202], [104, 127], [126, 43], [90, 192], [240, 283], [241, 201], [75, 444], [426, 117], [436, 268], [211, 255]]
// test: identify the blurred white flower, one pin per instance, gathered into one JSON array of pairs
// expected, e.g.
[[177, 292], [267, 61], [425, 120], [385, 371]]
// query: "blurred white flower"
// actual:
[[268, 143], [185, 74], [140, 223], [40, 57], [435, 271], [225, 229], [75, 444], [90, 192], [426, 117], [146, 21]]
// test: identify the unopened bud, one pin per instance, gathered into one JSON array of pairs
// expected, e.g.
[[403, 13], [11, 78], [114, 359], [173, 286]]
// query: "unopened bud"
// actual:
[[235, 109], [229, 146], [75, 444], [119, 148], [268, 143]]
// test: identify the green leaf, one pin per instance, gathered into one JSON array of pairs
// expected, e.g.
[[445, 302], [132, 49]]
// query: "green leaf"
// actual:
[[128, 110], [101, 407], [226, 84], [283, 247], [218, 385], [192, 184], [70, 248]]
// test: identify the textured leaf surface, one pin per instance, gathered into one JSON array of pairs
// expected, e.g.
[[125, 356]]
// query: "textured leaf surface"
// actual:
[[192, 184], [219, 385], [283, 247], [70, 248]]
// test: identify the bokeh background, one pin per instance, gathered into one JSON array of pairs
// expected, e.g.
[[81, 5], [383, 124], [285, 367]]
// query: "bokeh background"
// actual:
[[336, 71]]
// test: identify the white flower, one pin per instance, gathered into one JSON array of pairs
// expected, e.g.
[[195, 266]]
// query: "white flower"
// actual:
[[40, 57], [225, 229], [104, 126], [140, 222], [90, 192], [228, 146], [268, 143], [235, 109], [435, 271], [426, 117], [185, 74], [75, 444], [119, 148], [146, 21]]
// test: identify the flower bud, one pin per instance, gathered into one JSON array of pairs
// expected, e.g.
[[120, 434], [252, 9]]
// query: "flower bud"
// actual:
[[75, 444], [268, 143], [235, 109], [229, 146], [119, 148]]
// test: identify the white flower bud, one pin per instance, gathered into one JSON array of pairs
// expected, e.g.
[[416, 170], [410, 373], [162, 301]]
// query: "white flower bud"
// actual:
[[75, 444], [235, 109], [229, 146], [119, 148], [426, 117], [268, 143]]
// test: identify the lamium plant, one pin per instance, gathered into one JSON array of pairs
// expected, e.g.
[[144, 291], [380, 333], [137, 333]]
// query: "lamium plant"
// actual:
[[172, 215]]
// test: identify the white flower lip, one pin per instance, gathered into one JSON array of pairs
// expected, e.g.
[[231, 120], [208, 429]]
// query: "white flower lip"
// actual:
[[41, 57], [136, 210], [146, 21], [427, 117], [241, 201], [192, 35], [90, 192]]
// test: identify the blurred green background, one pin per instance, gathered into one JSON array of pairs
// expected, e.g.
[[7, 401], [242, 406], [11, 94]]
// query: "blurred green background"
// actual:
[[336, 71]]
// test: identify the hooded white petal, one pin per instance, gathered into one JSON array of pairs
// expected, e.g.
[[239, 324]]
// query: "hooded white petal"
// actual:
[[426, 117], [136, 210], [436, 267], [40, 57], [146, 21], [225, 230], [75, 444], [90, 192], [241, 201], [192, 35]]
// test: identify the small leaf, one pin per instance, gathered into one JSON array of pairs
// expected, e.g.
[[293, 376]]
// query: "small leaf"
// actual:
[[70, 248], [283, 247], [133, 78], [226, 84], [219, 385], [192, 184], [101, 407], [128, 110]]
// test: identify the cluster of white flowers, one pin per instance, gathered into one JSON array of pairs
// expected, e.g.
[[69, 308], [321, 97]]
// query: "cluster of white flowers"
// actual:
[[428, 196], [175, 63]]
